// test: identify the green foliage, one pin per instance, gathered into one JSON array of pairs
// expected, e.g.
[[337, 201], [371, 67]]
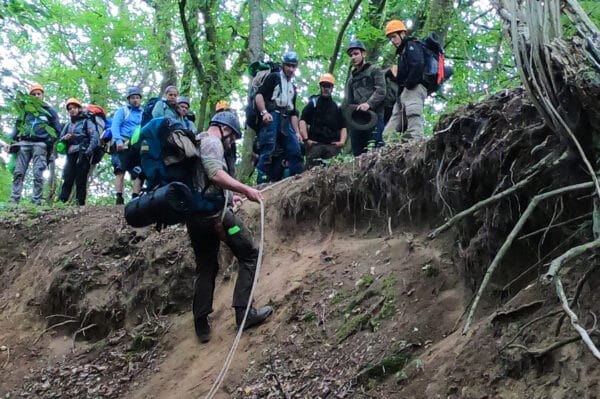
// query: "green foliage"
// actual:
[[5, 182], [93, 50], [308, 317]]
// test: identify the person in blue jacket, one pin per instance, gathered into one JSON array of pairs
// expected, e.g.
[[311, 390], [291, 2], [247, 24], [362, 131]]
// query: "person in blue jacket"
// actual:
[[126, 121]]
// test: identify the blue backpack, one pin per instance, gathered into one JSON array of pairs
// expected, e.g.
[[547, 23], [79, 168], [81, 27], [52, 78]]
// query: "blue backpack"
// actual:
[[164, 161]]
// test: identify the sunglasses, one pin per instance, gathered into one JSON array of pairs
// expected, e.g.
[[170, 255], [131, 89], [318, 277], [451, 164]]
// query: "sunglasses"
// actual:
[[327, 85]]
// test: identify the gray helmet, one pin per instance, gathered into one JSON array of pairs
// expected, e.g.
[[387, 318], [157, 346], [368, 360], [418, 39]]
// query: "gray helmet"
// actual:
[[132, 91], [356, 44], [290, 58], [182, 99], [227, 118]]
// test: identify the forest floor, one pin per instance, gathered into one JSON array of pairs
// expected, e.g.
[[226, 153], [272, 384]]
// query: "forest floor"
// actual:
[[366, 306]]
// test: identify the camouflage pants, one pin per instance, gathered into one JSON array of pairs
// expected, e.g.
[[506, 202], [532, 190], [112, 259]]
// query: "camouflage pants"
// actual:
[[29, 151]]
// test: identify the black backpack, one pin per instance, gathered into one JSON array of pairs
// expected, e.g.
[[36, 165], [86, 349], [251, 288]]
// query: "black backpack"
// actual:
[[435, 72], [259, 72], [148, 107]]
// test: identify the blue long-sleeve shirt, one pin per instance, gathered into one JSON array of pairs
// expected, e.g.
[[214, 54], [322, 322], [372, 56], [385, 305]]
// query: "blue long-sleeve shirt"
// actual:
[[124, 125]]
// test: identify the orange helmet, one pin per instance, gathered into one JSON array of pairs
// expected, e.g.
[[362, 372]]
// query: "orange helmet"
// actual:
[[36, 86], [395, 25], [222, 105], [73, 100], [328, 78]]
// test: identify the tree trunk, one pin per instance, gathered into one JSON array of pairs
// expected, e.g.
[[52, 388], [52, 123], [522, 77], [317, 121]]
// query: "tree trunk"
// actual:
[[255, 53], [437, 19], [162, 15]]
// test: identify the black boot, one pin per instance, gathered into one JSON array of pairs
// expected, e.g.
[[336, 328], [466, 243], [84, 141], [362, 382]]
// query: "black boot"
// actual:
[[202, 329], [255, 316], [120, 200]]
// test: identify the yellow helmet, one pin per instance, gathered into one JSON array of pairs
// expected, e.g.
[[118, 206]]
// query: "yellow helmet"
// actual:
[[222, 105], [328, 78], [395, 25]]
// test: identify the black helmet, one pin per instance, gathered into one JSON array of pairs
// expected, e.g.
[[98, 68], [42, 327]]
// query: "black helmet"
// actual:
[[356, 44], [290, 58], [227, 118], [132, 91]]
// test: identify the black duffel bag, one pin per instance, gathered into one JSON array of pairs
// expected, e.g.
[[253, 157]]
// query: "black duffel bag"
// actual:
[[164, 206]]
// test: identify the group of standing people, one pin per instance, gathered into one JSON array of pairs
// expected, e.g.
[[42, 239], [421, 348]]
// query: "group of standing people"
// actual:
[[322, 129], [36, 133]]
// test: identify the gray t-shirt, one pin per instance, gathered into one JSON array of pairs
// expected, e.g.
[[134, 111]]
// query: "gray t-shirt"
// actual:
[[212, 159]]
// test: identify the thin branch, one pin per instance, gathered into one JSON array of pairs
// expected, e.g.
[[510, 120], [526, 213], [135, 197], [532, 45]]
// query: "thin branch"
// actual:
[[551, 226], [340, 37], [52, 327]]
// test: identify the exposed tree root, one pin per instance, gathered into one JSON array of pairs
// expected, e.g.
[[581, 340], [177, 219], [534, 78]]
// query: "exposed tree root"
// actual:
[[537, 352], [553, 275], [527, 325], [575, 297], [509, 240]]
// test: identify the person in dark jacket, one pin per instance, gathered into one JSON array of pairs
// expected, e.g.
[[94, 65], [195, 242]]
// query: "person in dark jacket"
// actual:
[[34, 135], [322, 125], [80, 136], [365, 88], [411, 64]]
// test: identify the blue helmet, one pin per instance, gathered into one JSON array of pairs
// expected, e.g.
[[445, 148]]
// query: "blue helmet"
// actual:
[[182, 99], [132, 91], [226, 118], [290, 58], [356, 44]]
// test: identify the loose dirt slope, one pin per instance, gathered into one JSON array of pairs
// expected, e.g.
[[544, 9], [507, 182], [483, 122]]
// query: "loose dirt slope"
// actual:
[[365, 304]]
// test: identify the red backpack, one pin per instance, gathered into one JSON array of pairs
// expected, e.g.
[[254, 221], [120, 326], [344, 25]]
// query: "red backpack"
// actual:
[[97, 115]]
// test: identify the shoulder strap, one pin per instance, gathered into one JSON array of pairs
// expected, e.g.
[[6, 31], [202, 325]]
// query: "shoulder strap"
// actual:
[[126, 113]]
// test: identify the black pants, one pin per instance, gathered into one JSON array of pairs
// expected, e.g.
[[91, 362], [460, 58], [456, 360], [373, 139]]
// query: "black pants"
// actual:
[[205, 243], [76, 171]]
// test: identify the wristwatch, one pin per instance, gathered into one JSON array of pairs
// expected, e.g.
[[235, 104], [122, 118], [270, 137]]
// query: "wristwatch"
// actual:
[[263, 112]]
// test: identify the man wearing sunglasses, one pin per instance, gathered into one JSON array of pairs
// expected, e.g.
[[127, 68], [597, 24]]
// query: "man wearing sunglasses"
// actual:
[[322, 125]]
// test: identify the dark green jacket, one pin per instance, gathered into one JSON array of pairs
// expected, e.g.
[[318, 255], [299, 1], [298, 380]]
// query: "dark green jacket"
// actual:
[[366, 84]]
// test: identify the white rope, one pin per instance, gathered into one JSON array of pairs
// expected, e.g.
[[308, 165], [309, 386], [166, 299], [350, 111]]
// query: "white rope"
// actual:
[[236, 341]]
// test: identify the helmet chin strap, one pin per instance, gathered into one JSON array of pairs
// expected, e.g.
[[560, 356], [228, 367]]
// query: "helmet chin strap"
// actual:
[[222, 138]]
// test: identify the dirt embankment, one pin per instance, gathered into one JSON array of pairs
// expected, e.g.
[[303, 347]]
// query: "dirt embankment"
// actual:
[[365, 304]]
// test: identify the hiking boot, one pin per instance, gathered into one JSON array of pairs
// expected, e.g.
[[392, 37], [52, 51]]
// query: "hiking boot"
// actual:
[[202, 329], [255, 316], [120, 200]]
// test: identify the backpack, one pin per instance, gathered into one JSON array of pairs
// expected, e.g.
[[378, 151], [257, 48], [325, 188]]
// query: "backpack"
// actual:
[[435, 72], [148, 108], [258, 72], [169, 154], [97, 115]]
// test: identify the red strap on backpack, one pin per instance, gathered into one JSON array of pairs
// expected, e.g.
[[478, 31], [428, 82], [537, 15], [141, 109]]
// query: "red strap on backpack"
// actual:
[[440, 73]]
